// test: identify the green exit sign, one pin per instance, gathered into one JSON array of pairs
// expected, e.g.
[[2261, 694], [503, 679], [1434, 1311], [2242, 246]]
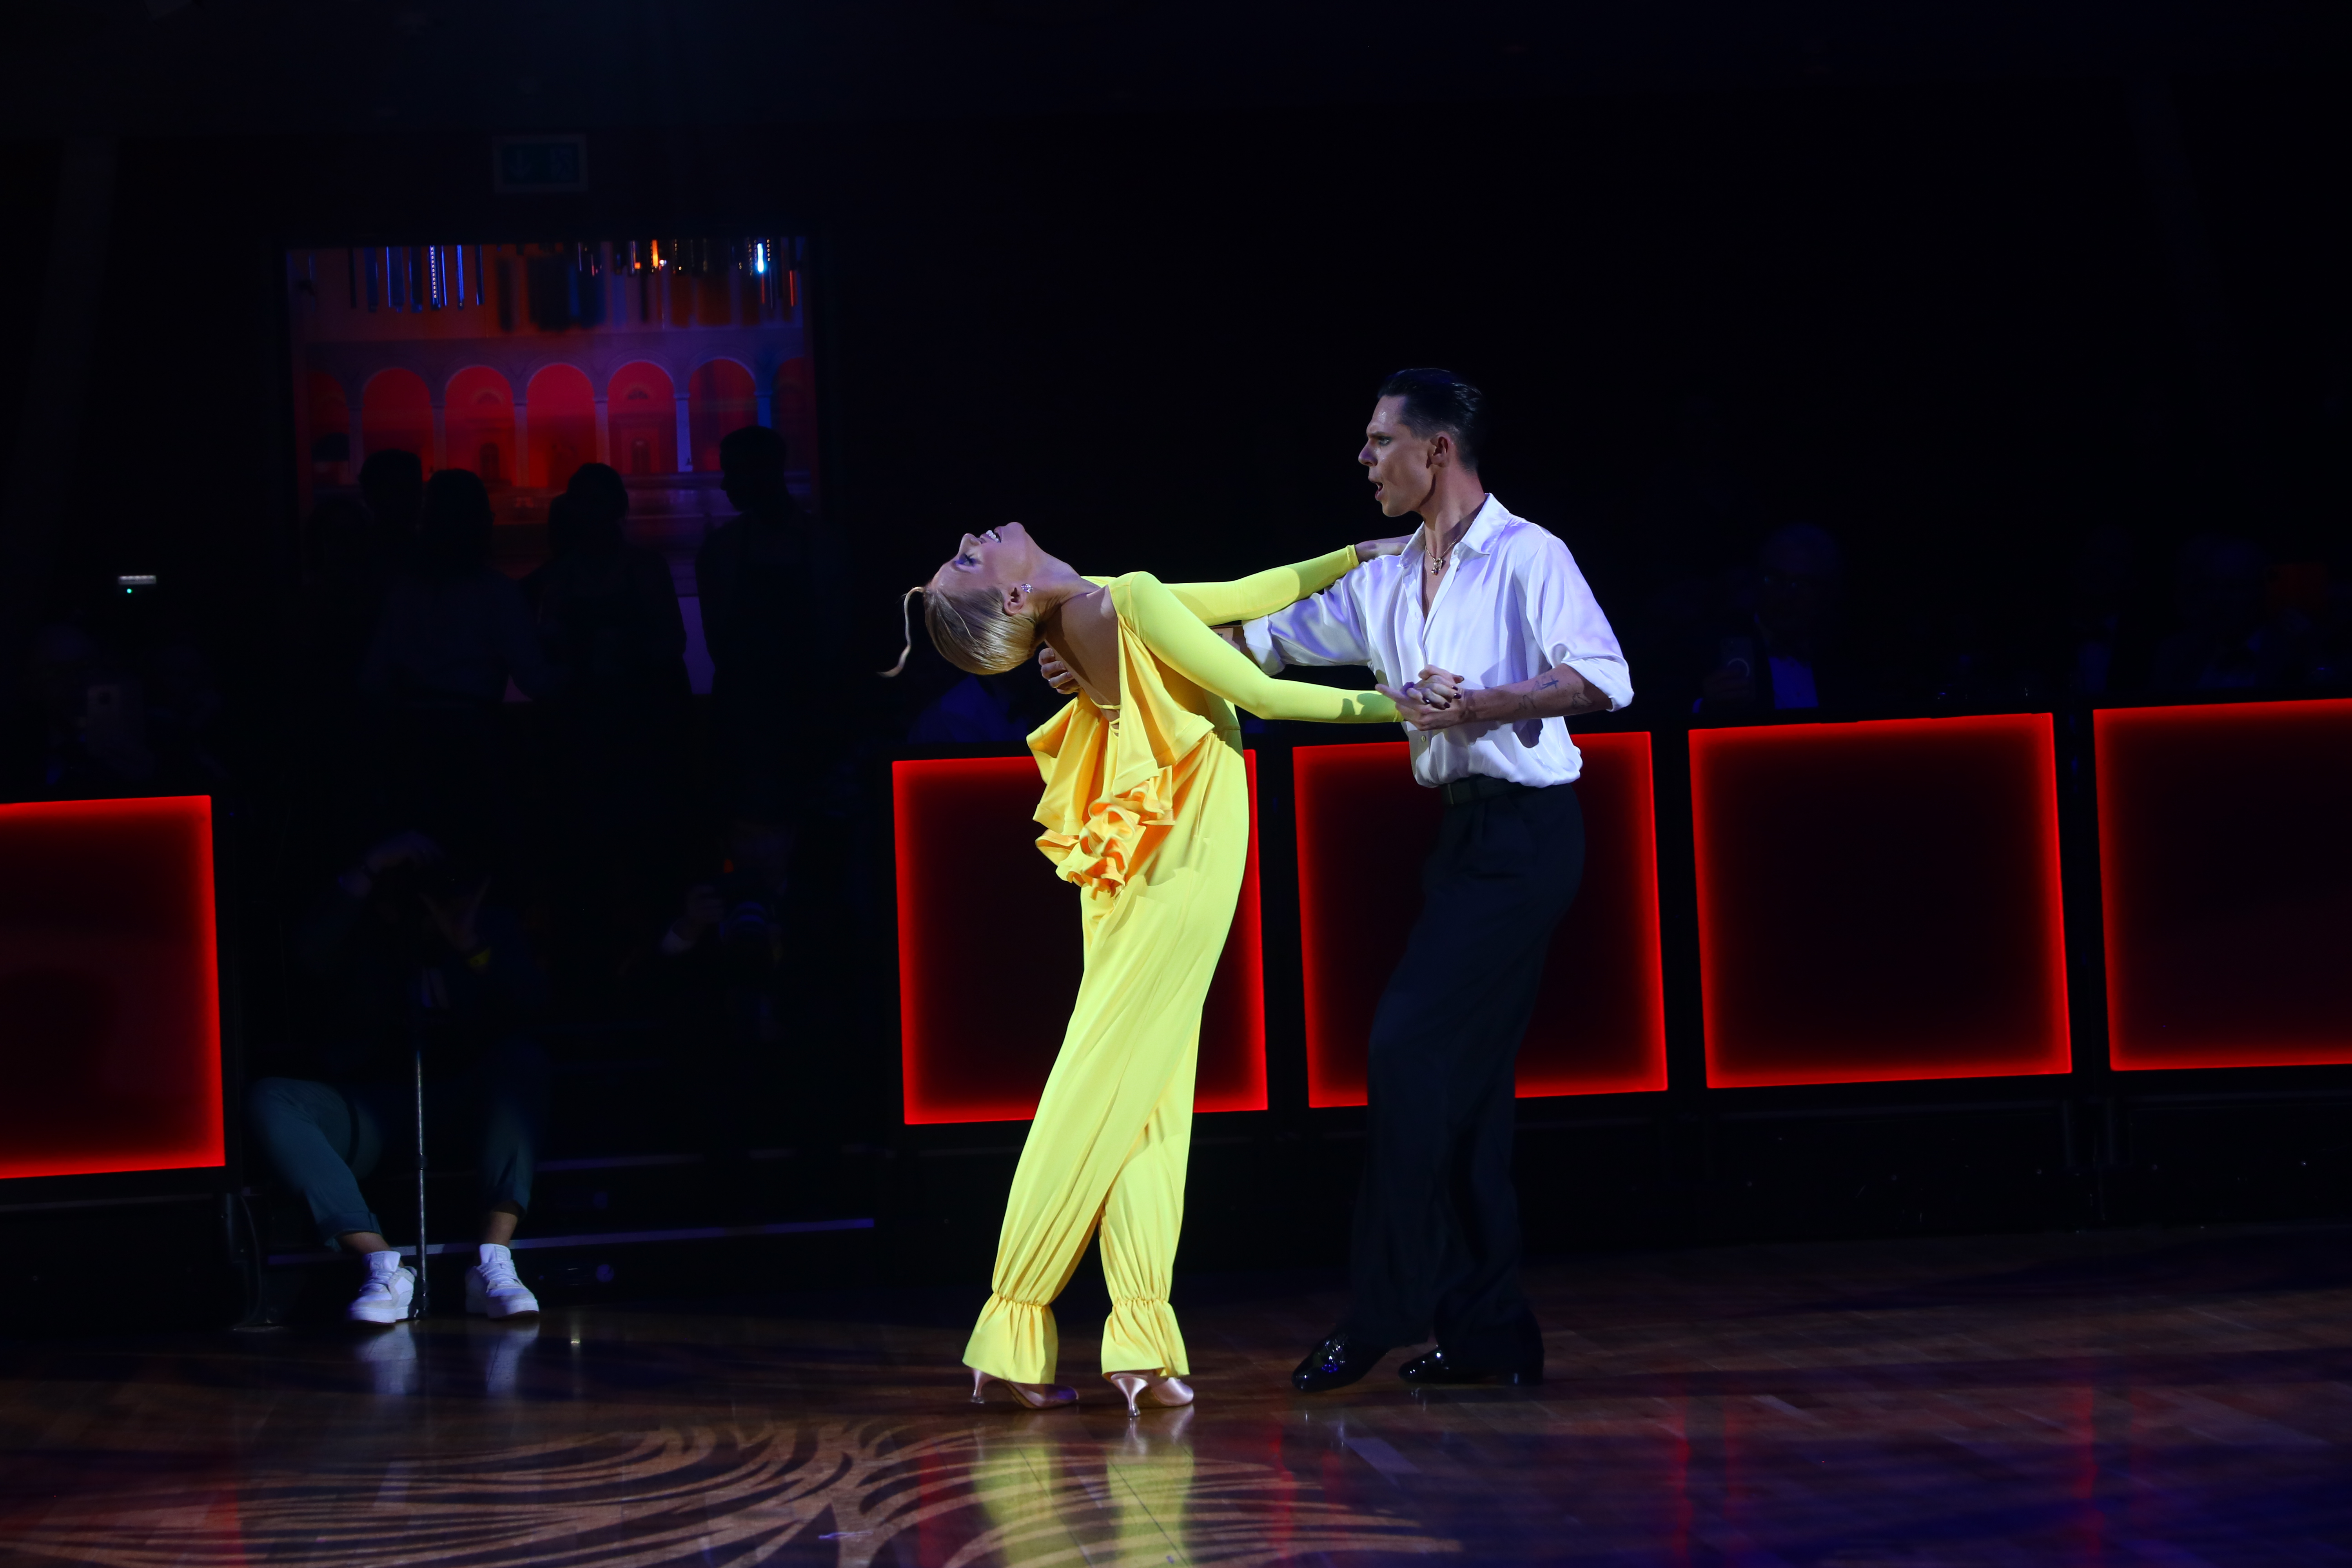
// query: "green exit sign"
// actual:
[[526, 163]]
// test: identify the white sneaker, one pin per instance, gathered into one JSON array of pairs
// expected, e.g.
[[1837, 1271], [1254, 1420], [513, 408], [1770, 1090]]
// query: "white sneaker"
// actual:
[[389, 1293], [491, 1287]]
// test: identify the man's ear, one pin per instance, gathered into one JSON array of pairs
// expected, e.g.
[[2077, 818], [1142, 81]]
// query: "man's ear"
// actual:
[[1440, 451]]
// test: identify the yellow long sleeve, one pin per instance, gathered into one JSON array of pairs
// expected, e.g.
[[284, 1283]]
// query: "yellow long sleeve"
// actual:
[[1263, 593], [1178, 634]]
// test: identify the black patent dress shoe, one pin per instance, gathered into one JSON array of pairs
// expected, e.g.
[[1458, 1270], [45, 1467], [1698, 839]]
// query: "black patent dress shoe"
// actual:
[[1337, 1362], [1437, 1370]]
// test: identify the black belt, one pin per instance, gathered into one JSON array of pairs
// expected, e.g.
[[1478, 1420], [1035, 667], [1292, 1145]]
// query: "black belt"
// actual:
[[1478, 787]]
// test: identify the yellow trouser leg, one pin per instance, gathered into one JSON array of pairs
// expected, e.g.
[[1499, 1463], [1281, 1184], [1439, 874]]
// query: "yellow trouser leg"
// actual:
[[1139, 1227], [1151, 949]]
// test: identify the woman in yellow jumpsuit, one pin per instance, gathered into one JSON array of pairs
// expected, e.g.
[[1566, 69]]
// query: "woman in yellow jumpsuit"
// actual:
[[1147, 810]]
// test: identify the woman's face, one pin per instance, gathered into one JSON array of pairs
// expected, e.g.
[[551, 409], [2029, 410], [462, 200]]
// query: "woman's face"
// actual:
[[996, 562]]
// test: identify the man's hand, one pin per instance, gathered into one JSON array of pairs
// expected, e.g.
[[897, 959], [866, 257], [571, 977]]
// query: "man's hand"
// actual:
[[1057, 674], [1372, 547], [1231, 632], [1438, 701], [1431, 703]]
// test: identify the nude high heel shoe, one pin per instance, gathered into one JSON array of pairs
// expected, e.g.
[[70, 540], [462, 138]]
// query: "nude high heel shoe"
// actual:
[[1142, 1388], [1035, 1396]]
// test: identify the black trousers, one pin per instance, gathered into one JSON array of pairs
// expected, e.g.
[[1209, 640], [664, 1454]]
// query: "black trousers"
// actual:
[[1437, 1220]]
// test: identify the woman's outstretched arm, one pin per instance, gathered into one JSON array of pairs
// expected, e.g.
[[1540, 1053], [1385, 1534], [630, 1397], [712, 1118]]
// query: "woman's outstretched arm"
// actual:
[[1264, 593], [1175, 630]]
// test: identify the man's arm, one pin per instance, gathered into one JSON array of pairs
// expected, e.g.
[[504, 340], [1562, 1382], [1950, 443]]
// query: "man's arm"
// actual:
[[1438, 702], [1325, 628]]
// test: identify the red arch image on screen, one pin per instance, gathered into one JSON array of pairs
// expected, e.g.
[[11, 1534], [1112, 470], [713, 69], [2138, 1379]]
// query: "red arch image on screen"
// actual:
[[988, 953], [2225, 872], [1363, 826], [1879, 901], [110, 988]]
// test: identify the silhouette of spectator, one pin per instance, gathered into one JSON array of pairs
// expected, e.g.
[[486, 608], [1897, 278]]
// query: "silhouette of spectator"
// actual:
[[335, 613], [618, 730], [392, 488], [2230, 638], [1968, 637], [409, 953], [754, 574], [1786, 656], [184, 709], [79, 728], [453, 633]]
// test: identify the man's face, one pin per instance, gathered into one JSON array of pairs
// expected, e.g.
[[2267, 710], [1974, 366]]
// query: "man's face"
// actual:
[[1398, 461]]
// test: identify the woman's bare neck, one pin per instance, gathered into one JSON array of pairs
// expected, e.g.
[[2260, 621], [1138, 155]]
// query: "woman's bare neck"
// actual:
[[1083, 627]]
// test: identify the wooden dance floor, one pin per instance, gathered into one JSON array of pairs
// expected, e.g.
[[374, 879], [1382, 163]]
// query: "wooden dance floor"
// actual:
[[2160, 1398]]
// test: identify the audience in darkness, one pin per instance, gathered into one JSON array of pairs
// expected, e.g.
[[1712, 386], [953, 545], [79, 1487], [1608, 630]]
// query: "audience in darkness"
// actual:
[[392, 489], [616, 734], [2230, 637], [759, 619], [1785, 652], [453, 634]]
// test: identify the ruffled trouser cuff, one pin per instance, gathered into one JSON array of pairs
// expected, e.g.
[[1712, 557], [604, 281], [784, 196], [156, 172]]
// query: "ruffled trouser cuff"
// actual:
[[1141, 1336], [1015, 1340]]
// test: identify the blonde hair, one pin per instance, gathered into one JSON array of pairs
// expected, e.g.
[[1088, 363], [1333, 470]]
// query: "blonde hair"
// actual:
[[972, 631]]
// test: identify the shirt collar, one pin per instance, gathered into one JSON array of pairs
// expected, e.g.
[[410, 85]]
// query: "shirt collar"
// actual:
[[1478, 539]]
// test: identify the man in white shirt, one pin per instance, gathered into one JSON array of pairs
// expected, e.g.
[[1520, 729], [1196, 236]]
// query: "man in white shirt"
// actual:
[[1507, 643]]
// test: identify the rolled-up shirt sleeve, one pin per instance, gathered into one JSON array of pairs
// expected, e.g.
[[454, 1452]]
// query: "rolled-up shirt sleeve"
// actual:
[[1321, 629], [1565, 623]]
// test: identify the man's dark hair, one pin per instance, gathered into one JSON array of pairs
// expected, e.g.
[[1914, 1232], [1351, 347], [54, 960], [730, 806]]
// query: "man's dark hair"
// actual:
[[1439, 400]]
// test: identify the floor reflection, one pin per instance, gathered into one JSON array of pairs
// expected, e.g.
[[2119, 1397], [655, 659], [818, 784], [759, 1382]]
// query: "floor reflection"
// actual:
[[1033, 1489], [1832, 1404]]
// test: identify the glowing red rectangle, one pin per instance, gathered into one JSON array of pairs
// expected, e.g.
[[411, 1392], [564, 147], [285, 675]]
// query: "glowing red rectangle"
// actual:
[[988, 953], [110, 988], [1363, 827], [2225, 873], [1879, 901]]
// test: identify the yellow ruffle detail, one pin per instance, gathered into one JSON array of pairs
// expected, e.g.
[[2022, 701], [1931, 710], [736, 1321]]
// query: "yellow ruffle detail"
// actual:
[[1109, 784]]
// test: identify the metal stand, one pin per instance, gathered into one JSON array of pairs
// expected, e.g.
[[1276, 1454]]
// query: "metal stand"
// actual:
[[423, 1302]]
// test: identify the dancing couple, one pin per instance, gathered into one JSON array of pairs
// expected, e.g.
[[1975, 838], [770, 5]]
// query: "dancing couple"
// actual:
[[1145, 809]]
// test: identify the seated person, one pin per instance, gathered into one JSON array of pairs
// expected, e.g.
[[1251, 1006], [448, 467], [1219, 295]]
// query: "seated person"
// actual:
[[409, 956]]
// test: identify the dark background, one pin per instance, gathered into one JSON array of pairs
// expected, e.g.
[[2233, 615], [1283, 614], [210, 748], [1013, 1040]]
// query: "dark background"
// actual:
[[1959, 284]]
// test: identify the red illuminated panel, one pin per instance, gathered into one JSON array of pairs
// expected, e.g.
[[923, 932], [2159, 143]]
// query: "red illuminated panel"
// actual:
[[2225, 868], [110, 999], [988, 953], [1363, 827], [1879, 901]]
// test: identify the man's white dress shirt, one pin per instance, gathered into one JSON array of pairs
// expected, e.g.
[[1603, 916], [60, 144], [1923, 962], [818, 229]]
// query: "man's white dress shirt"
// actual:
[[1511, 606]]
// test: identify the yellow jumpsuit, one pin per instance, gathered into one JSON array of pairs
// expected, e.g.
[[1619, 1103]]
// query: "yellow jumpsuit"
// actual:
[[1147, 809]]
